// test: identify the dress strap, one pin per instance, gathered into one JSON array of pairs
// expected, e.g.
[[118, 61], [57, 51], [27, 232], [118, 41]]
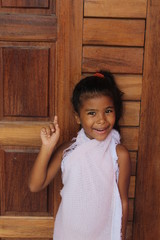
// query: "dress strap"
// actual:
[[115, 141]]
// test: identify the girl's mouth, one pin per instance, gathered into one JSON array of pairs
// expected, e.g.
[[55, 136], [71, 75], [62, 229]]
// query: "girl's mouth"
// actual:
[[101, 131]]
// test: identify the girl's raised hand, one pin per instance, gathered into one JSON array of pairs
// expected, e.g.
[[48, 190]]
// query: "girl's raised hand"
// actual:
[[50, 134]]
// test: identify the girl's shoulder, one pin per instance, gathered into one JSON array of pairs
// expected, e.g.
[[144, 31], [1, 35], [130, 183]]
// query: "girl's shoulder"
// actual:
[[123, 154]]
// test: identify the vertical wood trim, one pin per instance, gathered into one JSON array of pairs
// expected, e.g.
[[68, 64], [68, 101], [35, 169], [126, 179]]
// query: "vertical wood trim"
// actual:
[[147, 205], [69, 57], [1, 84]]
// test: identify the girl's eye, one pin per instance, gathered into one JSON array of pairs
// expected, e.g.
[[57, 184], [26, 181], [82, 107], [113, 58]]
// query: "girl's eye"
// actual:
[[109, 110], [91, 113]]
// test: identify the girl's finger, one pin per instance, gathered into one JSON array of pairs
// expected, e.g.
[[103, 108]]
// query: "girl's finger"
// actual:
[[52, 127], [48, 131], [43, 131], [55, 120]]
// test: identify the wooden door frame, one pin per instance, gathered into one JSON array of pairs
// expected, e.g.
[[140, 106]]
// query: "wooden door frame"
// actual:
[[69, 45], [69, 60], [147, 204]]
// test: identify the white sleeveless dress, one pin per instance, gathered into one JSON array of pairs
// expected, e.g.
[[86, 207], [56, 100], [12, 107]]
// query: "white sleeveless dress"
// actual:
[[90, 208]]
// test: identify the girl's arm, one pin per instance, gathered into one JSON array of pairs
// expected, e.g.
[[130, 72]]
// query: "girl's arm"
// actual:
[[123, 183], [45, 166]]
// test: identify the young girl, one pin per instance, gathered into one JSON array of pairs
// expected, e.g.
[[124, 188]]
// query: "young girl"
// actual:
[[95, 166]]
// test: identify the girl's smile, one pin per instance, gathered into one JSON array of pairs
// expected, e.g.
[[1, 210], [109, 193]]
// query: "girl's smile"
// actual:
[[97, 116]]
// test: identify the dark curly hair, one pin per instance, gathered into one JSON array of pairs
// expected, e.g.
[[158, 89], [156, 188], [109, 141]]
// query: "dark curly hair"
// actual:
[[99, 84]]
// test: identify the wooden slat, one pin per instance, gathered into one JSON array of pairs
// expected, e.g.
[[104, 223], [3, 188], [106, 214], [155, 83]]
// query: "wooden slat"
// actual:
[[129, 231], [131, 114], [22, 227], [133, 157], [115, 59], [131, 207], [130, 85], [129, 137], [113, 32], [28, 28], [115, 8], [131, 193]]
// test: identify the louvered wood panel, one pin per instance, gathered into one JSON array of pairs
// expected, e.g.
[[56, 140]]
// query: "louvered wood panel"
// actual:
[[129, 231], [130, 85], [130, 114], [133, 157], [131, 193], [129, 137], [113, 32], [115, 8], [109, 28], [115, 59], [131, 207]]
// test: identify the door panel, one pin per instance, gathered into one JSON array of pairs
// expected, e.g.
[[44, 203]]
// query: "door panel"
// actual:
[[28, 79], [38, 69]]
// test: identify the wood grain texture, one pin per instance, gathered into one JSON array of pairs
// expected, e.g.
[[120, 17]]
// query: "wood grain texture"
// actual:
[[22, 227], [130, 114], [130, 85], [115, 8], [27, 85], [131, 209], [69, 52], [21, 133], [113, 32], [147, 207], [133, 157], [129, 137], [35, 7], [131, 193], [16, 199], [25, 3], [115, 59], [129, 231], [27, 97], [28, 27]]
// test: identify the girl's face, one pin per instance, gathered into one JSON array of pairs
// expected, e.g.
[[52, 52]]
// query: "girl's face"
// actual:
[[97, 117]]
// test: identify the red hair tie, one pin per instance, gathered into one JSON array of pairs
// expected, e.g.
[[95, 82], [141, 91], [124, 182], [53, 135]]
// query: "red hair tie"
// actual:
[[100, 75]]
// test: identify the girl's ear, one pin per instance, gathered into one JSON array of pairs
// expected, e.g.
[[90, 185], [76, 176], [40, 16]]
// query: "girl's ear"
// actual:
[[77, 118]]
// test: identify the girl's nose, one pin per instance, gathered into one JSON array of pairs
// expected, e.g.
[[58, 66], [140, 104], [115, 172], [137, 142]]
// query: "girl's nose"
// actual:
[[101, 119]]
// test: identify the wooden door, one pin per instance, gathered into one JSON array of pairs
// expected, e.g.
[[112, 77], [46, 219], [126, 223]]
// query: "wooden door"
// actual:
[[147, 204], [40, 55]]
